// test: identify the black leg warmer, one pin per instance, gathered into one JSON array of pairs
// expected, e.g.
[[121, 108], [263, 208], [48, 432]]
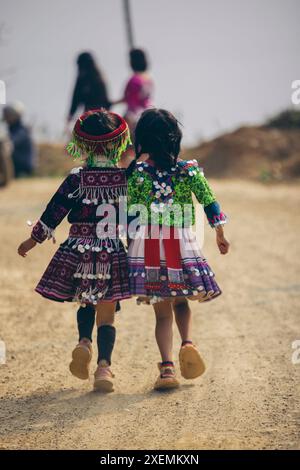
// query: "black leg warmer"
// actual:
[[86, 321], [106, 340]]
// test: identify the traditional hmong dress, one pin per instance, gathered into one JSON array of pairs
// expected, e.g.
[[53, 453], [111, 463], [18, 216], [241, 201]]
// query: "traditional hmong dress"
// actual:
[[91, 264], [164, 260]]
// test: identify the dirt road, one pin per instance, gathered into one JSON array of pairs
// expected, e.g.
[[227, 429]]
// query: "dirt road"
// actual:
[[248, 398]]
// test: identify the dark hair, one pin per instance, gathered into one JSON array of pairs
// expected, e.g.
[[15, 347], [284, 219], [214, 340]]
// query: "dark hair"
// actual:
[[90, 82], [138, 60], [87, 65], [99, 123], [158, 134]]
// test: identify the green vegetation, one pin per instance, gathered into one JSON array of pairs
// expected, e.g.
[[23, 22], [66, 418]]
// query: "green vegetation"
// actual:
[[289, 119]]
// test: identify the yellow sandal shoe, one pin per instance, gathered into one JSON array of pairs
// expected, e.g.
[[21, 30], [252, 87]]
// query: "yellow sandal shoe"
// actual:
[[81, 358], [191, 363]]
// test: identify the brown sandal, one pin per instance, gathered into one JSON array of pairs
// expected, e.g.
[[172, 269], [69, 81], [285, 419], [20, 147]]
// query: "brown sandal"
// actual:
[[167, 378], [103, 379], [81, 358], [191, 363]]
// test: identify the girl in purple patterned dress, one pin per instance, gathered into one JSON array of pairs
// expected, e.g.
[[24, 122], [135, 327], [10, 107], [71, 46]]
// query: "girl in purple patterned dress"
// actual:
[[90, 267]]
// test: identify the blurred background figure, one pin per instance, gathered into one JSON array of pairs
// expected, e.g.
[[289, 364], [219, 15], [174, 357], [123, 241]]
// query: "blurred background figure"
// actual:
[[138, 92], [23, 151], [90, 89], [138, 95]]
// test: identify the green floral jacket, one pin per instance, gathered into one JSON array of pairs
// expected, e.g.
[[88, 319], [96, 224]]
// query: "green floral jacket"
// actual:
[[165, 197]]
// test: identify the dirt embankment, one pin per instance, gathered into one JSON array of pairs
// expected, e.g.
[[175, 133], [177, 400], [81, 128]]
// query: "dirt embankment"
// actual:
[[257, 153]]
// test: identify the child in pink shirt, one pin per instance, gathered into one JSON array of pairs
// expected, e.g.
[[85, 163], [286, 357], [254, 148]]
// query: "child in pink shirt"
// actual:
[[139, 89]]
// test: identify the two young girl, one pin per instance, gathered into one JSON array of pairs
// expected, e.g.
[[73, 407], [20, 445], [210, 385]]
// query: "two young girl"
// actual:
[[164, 268]]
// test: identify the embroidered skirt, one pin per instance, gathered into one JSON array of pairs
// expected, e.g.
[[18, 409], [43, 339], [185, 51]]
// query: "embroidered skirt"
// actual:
[[195, 279], [86, 269]]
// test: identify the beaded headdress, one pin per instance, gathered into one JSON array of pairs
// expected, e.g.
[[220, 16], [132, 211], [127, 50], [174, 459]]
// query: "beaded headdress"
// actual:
[[111, 145]]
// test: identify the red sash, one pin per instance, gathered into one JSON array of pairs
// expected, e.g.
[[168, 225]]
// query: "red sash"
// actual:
[[171, 246]]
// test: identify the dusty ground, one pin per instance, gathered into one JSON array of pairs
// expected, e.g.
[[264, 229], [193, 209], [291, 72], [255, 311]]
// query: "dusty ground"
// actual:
[[248, 398]]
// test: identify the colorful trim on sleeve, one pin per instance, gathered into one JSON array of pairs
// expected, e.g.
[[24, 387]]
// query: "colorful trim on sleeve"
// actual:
[[220, 219], [41, 232], [214, 215]]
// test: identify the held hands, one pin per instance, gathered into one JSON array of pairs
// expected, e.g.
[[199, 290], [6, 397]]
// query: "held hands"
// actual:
[[26, 246], [222, 243]]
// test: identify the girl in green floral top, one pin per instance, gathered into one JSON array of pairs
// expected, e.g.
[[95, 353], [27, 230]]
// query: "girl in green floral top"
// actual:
[[166, 266]]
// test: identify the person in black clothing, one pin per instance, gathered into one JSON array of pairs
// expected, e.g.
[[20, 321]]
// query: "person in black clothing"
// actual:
[[23, 151], [90, 88]]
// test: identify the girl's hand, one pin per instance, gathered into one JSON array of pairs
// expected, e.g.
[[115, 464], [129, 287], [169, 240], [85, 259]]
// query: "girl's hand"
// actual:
[[26, 246], [222, 243]]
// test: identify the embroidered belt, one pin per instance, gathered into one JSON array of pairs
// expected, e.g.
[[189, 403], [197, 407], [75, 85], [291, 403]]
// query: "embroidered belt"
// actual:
[[94, 230], [83, 230]]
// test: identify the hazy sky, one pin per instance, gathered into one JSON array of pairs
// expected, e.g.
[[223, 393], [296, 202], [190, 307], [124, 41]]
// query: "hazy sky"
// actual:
[[216, 63]]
